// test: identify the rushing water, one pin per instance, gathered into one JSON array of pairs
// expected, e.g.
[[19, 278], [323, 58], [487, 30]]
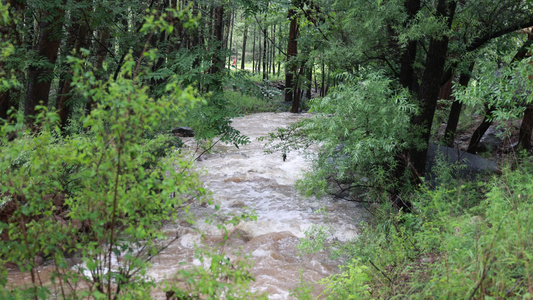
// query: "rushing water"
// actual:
[[247, 178]]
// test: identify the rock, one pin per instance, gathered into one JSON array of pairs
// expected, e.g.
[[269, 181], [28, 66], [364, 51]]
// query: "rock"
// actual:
[[183, 131], [492, 139], [463, 138], [239, 236], [38, 260], [471, 165]]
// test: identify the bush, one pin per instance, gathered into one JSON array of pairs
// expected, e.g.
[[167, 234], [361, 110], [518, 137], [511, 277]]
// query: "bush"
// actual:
[[102, 193], [98, 195], [467, 241], [360, 126]]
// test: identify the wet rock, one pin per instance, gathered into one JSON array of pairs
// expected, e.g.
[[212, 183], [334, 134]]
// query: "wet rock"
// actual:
[[463, 138], [271, 238], [465, 165], [183, 131], [239, 236], [236, 179], [492, 139], [275, 255], [237, 204]]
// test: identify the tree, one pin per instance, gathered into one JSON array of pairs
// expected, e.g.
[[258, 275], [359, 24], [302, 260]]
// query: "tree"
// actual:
[[50, 27], [292, 52], [460, 28], [114, 181], [455, 110], [244, 38], [77, 38], [8, 32], [419, 44]]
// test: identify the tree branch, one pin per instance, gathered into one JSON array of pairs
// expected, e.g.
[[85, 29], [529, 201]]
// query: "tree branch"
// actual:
[[274, 44], [313, 20], [478, 42]]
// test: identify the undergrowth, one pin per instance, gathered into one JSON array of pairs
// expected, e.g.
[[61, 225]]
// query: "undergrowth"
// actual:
[[470, 240], [246, 104]]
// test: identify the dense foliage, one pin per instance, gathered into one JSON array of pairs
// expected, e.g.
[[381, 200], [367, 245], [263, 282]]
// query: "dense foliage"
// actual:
[[90, 90], [466, 240], [361, 126], [94, 200]]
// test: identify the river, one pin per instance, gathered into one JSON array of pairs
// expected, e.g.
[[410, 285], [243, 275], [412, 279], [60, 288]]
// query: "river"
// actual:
[[246, 177]]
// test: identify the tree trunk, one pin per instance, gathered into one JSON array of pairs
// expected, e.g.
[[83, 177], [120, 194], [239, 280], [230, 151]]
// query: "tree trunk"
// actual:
[[429, 89], [291, 67], [309, 81], [226, 39], [323, 83], [265, 62], [6, 103], [279, 48], [230, 47], [273, 52], [102, 48], [480, 131], [455, 111], [245, 36], [407, 61], [47, 46], [259, 53], [218, 61], [77, 38], [253, 53], [526, 129], [409, 80], [297, 90]]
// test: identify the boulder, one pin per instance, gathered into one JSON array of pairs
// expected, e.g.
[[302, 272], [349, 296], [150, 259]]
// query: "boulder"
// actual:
[[469, 165], [183, 131], [492, 139]]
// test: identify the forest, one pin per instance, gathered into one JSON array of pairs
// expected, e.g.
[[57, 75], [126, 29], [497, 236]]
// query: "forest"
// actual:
[[419, 111]]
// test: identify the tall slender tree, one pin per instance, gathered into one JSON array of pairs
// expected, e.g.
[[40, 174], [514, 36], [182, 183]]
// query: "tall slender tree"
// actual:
[[77, 38], [244, 38], [50, 27], [291, 66]]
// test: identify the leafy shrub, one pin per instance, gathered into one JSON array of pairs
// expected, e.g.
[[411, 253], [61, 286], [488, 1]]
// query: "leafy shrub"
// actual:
[[467, 241], [99, 195], [232, 277], [360, 126], [245, 104], [213, 119]]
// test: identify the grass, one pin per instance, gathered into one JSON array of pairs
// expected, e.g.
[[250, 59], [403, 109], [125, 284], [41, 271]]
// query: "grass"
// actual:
[[247, 93], [246, 104]]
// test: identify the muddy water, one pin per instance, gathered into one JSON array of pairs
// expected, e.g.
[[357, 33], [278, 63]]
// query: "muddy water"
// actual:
[[246, 179]]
